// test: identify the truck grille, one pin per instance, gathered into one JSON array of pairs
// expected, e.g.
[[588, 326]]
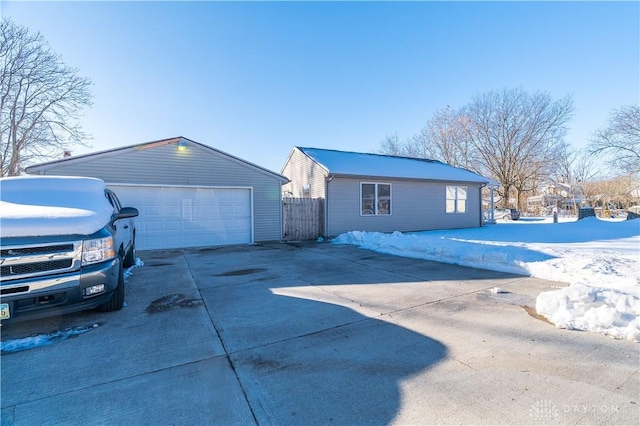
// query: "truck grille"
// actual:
[[34, 268], [23, 251], [35, 260]]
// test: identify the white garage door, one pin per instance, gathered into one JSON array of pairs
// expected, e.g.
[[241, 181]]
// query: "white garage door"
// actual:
[[180, 217]]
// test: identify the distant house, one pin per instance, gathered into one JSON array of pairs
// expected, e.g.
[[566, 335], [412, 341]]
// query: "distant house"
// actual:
[[370, 192], [188, 194], [556, 196]]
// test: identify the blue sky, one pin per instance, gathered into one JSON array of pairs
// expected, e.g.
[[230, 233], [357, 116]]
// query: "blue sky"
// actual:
[[256, 79]]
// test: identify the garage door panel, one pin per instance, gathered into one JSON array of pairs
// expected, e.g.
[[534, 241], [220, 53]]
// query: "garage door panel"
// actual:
[[149, 225], [150, 209], [172, 225], [171, 210], [180, 217]]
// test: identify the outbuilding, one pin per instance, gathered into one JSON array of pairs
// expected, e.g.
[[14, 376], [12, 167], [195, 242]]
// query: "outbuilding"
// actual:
[[188, 194], [383, 193]]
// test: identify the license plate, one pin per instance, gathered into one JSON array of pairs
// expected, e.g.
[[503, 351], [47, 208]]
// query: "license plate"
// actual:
[[4, 311]]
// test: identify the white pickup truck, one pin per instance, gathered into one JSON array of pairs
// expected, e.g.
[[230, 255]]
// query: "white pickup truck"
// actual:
[[64, 244]]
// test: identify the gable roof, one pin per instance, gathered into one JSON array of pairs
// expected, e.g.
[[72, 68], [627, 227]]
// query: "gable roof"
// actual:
[[389, 166], [148, 145]]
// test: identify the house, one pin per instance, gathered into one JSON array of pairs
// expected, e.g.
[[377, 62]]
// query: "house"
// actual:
[[188, 194], [371, 192], [556, 196]]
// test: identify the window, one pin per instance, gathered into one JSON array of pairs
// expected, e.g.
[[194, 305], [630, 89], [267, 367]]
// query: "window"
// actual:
[[456, 199], [375, 198], [113, 199]]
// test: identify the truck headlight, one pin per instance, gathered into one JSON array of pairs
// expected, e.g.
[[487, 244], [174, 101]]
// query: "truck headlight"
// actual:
[[98, 250]]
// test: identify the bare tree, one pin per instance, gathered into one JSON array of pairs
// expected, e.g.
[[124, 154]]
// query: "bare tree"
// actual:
[[620, 139], [40, 100], [618, 192], [391, 145], [574, 168], [444, 138], [518, 135]]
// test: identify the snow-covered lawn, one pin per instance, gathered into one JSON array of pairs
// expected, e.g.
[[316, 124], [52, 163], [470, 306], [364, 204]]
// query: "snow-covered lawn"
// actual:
[[600, 259]]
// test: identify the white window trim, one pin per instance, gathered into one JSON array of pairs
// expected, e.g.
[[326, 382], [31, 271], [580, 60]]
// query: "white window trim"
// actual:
[[456, 199], [375, 203]]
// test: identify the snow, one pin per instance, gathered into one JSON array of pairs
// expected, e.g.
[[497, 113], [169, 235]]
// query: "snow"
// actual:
[[31, 342], [52, 205], [362, 164], [600, 259]]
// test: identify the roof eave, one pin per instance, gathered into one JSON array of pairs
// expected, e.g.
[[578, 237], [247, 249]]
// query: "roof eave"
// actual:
[[325, 168], [359, 176], [36, 168]]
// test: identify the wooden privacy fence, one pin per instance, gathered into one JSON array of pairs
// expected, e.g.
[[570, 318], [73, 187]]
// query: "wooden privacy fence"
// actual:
[[302, 218]]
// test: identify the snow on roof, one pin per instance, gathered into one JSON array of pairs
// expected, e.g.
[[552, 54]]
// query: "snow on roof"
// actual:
[[52, 205], [363, 164]]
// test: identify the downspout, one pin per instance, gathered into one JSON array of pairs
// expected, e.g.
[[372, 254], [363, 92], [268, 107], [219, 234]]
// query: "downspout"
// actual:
[[325, 218], [282, 238]]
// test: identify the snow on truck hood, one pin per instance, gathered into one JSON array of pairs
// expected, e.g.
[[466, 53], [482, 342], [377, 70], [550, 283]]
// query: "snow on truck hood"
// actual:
[[52, 205]]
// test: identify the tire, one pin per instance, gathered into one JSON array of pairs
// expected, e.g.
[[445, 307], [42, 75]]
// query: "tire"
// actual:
[[117, 297], [130, 258], [506, 217]]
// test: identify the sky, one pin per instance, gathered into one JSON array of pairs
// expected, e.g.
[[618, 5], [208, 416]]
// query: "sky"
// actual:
[[255, 79], [594, 261]]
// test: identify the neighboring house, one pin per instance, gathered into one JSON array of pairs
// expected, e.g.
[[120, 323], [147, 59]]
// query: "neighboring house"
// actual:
[[556, 196], [188, 194], [370, 192]]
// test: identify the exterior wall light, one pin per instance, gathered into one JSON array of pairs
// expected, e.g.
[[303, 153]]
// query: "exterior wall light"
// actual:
[[182, 146]]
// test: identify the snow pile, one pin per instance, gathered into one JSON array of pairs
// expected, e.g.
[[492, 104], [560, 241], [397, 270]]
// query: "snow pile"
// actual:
[[129, 271], [581, 307], [600, 259], [52, 205], [26, 343]]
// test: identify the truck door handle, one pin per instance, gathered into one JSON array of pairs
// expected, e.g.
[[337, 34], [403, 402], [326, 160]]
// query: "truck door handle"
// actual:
[[126, 227]]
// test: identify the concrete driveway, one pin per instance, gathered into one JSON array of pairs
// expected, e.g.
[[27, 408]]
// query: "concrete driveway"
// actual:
[[316, 333]]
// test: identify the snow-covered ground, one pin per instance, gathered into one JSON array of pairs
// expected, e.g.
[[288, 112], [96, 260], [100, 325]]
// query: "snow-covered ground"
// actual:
[[600, 259]]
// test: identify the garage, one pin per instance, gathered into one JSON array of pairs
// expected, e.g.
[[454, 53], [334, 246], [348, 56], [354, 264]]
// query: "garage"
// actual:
[[182, 217], [188, 194]]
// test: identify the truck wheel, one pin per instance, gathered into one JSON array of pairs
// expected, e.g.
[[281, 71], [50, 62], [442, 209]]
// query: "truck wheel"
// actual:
[[130, 258], [117, 297]]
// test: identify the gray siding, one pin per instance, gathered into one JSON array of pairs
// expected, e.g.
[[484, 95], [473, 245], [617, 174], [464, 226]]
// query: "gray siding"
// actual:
[[301, 171], [415, 206], [197, 166]]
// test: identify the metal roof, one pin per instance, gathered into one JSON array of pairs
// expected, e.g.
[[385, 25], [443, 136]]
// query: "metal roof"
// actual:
[[389, 166]]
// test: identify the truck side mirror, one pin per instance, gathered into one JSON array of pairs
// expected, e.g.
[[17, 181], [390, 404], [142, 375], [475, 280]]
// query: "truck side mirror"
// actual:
[[127, 212]]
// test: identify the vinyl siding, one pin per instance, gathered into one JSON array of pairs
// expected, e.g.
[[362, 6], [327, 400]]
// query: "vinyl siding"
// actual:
[[415, 206], [301, 171], [197, 166]]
